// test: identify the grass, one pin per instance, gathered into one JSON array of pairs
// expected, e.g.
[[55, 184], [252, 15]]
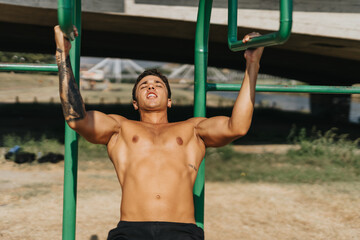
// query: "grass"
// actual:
[[30, 144], [322, 157], [44, 145], [89, 151], [321, 149]]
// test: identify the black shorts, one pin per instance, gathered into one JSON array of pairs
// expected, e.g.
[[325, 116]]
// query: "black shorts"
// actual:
[[156, 231]]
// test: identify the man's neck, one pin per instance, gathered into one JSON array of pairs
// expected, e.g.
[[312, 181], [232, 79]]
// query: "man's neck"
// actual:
[[153, 117]]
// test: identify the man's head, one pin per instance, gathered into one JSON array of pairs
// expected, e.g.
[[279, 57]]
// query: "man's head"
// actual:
[[151, 88]]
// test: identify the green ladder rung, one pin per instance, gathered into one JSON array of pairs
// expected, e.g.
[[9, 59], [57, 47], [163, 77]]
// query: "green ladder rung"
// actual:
[[29, 67], [287, 88]]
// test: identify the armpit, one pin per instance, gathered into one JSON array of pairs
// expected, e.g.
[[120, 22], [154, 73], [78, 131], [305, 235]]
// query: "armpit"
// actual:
[[113, 140]]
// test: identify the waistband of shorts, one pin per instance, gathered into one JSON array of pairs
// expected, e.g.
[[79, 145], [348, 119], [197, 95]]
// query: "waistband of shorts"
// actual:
[[161, 223]]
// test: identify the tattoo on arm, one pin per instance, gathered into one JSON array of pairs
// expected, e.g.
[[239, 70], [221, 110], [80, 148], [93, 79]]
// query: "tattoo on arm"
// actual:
[[71, 100], [193, 167]]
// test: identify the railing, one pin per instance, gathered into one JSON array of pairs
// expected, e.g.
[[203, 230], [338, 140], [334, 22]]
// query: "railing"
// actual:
[[287, 88], [29, 67]]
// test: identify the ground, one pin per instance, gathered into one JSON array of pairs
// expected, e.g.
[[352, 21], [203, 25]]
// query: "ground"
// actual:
[[31, 206]]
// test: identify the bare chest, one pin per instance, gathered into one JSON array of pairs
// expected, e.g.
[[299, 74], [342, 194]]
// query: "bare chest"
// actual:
[[170, 151], [168, 135]]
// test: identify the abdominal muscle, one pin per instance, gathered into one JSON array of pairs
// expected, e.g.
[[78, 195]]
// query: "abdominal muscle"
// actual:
[[157, 187]]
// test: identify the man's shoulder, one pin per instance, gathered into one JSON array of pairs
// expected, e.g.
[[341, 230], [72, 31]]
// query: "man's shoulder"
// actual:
[[195, 120], [117, 117]]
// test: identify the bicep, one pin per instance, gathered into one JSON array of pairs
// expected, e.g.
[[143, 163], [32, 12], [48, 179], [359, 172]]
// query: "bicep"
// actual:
[[216, 131], [96, 127]]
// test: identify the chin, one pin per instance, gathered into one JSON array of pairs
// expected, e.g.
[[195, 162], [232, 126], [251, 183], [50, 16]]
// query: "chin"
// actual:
[[155, 107]]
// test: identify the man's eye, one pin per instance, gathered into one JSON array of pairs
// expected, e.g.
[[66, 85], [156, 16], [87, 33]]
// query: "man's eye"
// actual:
[[158, 85], [142, 87]]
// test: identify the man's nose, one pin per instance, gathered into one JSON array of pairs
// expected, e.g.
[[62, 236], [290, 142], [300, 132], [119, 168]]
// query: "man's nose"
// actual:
[[151, 87]]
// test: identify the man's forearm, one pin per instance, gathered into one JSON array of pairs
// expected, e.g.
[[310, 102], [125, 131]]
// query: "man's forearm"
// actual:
[[244, 105], [71, 100]]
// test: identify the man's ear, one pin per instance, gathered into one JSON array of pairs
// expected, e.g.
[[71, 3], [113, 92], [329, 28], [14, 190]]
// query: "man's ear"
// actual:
[[135, 104], [169, 103]]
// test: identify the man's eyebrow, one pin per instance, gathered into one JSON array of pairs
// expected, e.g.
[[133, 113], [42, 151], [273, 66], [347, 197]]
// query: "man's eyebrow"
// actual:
[[159, 81], [145, 82]]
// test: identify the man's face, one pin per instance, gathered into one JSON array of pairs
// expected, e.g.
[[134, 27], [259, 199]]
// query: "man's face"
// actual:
[[151, 94]]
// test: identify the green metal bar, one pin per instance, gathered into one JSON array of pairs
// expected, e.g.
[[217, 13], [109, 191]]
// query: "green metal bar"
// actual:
[[28, 67], [201, 57], [287, 88], [70, 184], [71, 142], [279, 37], [65, 13]]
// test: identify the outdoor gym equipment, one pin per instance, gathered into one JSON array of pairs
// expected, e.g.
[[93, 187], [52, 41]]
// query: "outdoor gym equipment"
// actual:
[[275, 38], [65, 18], [69, 13]]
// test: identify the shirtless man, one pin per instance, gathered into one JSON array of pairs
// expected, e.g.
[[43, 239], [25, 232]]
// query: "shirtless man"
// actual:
[[156, 161]]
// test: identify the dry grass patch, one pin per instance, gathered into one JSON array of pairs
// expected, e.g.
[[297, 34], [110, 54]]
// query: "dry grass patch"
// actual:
[[281, 211]]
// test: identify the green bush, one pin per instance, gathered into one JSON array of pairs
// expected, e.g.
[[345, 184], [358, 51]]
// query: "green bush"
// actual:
[[324, 149], [320, 158], [90, 151], [87, 151], [29, 144]]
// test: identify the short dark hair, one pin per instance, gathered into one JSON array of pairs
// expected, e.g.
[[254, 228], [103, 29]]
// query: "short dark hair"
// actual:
[[151, 72]]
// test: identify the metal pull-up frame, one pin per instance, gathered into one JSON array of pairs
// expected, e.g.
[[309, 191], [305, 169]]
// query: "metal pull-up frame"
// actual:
[[69, 14], [202, 86]]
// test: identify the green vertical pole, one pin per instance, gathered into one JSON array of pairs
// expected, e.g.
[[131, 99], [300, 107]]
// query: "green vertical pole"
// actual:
[[71, 142], [201, 57], [65, 19]]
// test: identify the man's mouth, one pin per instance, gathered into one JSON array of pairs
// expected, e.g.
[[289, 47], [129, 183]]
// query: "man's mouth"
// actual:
[[151, 95]]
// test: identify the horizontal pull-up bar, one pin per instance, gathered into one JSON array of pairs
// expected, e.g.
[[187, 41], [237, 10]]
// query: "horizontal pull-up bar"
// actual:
[[270, 39], [209, 86], [287, 88], [29, 67], [65, 18]]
